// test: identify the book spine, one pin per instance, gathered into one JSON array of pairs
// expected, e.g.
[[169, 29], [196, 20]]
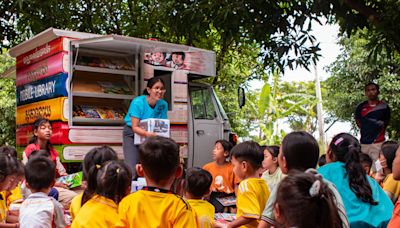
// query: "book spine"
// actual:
[[53, 109], [45, 68]]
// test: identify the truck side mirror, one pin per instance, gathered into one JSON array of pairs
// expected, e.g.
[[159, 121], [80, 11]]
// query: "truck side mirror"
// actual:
[[241, 97]]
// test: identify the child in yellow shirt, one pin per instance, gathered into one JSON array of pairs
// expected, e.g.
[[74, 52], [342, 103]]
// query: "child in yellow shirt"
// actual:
[[113, 183], [197, 186], [95, 157], [155, 205], [253, 193]]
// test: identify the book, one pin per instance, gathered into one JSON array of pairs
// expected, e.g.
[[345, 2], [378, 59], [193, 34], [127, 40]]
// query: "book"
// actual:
[[227, 201], [115, 88], [90, 111], [71, 180], [225, 216], [105, 113], [159, 126]]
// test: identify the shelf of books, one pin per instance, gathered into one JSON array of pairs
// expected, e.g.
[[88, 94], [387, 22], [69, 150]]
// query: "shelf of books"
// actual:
[[104, 95], [104, 70], [103, 85]]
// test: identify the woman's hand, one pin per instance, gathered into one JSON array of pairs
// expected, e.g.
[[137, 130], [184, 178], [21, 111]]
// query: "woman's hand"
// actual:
[[149, 134]]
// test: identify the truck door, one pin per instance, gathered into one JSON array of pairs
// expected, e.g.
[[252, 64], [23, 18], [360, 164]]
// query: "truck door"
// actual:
[[207, 124]]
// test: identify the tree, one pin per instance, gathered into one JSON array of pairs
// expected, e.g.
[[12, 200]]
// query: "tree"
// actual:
[[353, 69], [280, 28], [7, 103]]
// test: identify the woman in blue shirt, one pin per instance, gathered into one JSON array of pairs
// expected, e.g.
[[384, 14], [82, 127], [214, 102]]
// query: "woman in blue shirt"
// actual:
[[148, 105], [365, 202]]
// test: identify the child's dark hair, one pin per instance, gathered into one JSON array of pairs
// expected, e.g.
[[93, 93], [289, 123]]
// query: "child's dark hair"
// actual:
[[9, 165], [347, 149], [197, 182], [389, 149], [40, 173], [8, 150], [151, 82], [37, 153], [114, 180], [273, 150], [304, 200], [300, 150], [365, 159], [92, 162], [36, 125], [322, 160], [226, 145], [159, 157], [249, 151]]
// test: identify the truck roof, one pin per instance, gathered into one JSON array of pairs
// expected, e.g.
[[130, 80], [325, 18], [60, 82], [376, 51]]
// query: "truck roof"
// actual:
[[90, 38]]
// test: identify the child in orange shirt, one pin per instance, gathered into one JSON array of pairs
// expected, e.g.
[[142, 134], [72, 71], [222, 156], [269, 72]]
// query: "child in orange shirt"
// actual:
[[224, 181]]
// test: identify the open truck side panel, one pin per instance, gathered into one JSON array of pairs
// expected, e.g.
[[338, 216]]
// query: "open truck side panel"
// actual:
[[84, 84]]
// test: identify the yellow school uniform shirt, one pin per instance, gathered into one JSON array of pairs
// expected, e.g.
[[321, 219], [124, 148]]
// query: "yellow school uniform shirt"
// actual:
[[204, 212], [3, 207], [252, 196], [149, 209], [14, 195], [391, 185], [75, 206], [99, 211]]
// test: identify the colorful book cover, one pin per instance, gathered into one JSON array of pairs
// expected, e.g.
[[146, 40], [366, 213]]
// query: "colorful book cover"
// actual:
[[115, 88], [105, 113], [71, 180], [227, 201], [90, 111]]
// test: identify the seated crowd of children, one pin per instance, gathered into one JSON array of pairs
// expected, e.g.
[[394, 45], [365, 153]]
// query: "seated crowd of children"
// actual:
[[273, 186]]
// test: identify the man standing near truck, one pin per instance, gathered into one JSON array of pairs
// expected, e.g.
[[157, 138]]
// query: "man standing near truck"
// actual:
[[372, 117]]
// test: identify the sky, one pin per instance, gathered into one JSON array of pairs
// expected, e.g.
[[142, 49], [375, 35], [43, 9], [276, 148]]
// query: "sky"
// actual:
[[327, 36]]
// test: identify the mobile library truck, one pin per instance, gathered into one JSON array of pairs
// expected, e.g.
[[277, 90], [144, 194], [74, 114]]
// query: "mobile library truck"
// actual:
[[83, 83]]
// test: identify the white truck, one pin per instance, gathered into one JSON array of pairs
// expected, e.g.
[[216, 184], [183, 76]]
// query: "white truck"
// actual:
[[84, 83]]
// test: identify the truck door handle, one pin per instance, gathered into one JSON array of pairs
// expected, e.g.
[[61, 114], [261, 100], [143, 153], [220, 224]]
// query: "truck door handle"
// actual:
[[200, 132]]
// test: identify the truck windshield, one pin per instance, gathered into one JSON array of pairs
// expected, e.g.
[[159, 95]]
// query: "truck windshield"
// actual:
[[203, 107], [221, 109]]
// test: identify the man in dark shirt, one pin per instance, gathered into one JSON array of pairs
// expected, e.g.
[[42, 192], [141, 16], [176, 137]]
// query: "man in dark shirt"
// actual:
[[372, 117]]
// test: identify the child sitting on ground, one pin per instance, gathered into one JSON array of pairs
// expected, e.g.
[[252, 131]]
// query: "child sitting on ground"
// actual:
[[322, 160], [304, 200], [298, 151], [155, 205], [366, 163], [272, 174], [40, 210], [365, 202], [224, 180], [386, 158], [9, 165], [93, 159], [113, 183], [252, 193], [197, 186]]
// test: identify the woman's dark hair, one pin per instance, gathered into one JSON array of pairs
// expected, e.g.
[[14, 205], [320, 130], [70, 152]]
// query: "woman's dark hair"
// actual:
[[92, 162], [389, 149], [114, 180], [347, 149], [151, 82], [304, 204], [300, 150], [226, 145], [36, 126]]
